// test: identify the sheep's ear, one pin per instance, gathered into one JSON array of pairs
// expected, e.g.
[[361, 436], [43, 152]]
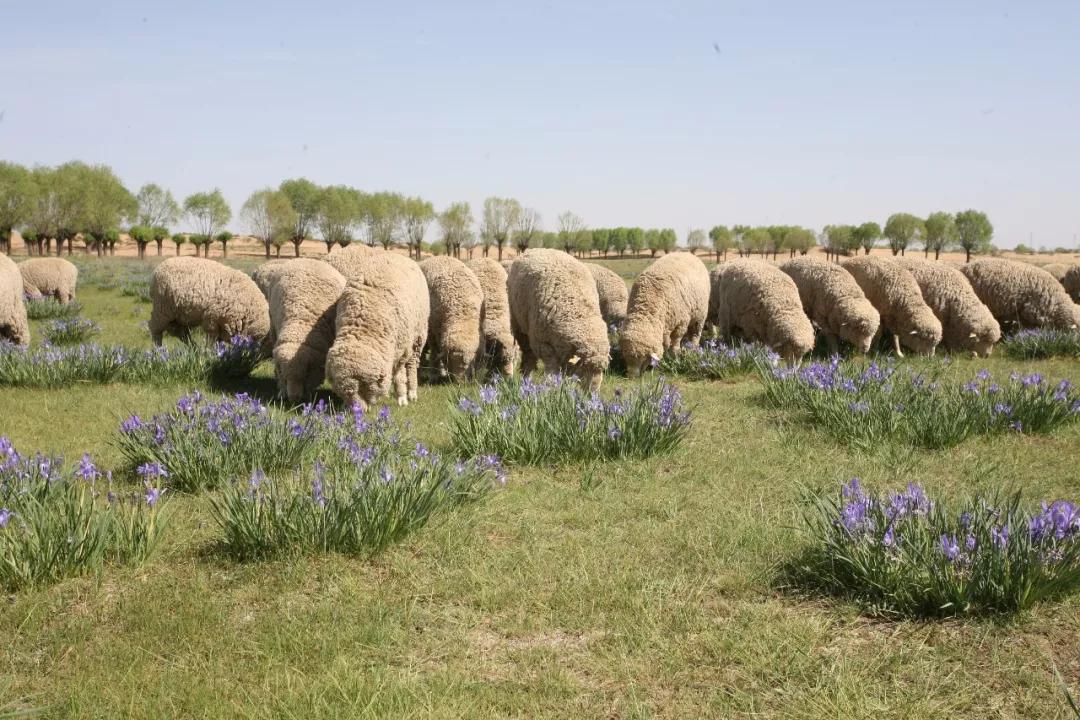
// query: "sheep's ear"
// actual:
[[843, 324], [1073, 326], [973, 336], [913, 332], [574, 360]]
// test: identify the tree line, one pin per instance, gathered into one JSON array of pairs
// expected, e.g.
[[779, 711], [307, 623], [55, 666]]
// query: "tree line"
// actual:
[[51, 207]]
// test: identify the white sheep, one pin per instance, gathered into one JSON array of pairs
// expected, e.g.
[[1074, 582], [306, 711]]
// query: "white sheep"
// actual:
[[555, 315], [967, 324], [613, 293], [457, 300], [499, 350], [1022, 295], [14, 327], [760, 302], [668, 306], [892, 290], [834, 302], [381, 328], [190, 292], [1071, 282], [49, 277]]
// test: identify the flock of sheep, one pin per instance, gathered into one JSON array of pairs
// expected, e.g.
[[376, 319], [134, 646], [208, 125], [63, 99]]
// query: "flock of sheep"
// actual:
[[364, 318]]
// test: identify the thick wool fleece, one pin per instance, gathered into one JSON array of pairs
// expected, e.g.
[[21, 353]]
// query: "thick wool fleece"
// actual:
[[893, 291], [14, 327], [967, 324], [834, 302], [457, 302], [1022, 295], [499, 348], [49, 277], [613, 293], [190, 292]]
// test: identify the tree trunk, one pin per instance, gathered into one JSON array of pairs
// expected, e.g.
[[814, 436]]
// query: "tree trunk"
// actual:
[[225, 250], [158, 243], [500, 253], [937, 253], [70, 241], [266, 246], [277, 251], [968, 251], [178, 250], [296, 246]]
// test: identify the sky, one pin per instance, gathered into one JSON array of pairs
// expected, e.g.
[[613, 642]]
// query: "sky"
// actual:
[[681, 114]]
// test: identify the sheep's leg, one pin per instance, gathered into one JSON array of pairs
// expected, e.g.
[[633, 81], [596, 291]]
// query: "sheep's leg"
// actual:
[[401, 384], [412, 366], [877, 338], [896, 345], [833, 342], [693, 334], [528, 361]]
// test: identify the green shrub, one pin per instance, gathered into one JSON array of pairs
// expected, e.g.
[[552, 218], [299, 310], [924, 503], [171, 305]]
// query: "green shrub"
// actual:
[[1042, 343], [47, 308], [70, 330]]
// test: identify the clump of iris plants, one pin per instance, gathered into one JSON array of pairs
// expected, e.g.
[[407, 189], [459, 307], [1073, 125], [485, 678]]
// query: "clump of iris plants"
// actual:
[[1037, 344], [716, 360], [41, 307], [556, 420], [51, 366], [56, 521], [902, 553], [866, 404], [369, 494], [68, 331]]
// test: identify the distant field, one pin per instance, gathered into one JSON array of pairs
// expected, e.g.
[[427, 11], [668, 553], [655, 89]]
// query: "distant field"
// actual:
[[618, 589]]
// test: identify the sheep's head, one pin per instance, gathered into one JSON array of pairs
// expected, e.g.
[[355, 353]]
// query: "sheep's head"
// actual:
[[1066, 316], [921, 332], [861, 327], [459, 362], [639, 353], [357, 376], [983, 335]]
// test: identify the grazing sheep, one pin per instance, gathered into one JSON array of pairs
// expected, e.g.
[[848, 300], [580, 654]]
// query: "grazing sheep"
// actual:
[[1022, 295], [499, 348], [457, 302], [49, 277], [834, 302], [303, 308], [1071, 282], [189, 292], [381, 328], [967, 325], [612, 291], [506, 264], [761, 302], [893, 291], [1058, 270], [350, 259], [555, 316], [266, 274], [14, 327], [668, 306]]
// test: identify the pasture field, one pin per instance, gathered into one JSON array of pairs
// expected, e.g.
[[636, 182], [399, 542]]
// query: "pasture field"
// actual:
[[623, 589]]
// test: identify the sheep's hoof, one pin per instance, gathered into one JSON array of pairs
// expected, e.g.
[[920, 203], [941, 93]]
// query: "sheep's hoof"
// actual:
[[402, 401], [412, 396]]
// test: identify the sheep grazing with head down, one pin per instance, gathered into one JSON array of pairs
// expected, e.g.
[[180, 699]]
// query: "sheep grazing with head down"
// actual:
[[265, 275], [350, 259], [303, 308], [1022, 295], [190, 292], [555, 316], [893, 291], [14, 327], [967, 325], [668, 306], [457, 302], [760, 302], [381, 327], [1058, 270], [613, 293], [1071, 282], [834, 302], [49, 277], [499, 350]]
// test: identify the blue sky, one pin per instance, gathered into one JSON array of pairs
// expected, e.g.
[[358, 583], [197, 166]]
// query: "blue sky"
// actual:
[[661, 114]]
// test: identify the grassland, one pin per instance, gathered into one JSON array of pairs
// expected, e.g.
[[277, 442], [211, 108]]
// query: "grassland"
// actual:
[[622, 589]]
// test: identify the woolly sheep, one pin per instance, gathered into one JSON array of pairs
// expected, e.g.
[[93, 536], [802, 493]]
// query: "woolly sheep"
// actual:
[[613, 293], [14, 327], [49, 277], [498, 342], [189, 292], [668, 306], [1058, 270], [506, 265], [967, 325], [555, 315], [266, 274], [381, 327], [834, 302], [457, 302], [893, 291], [350, 259], [1022, 295], [761, 302], [1071, 282], [303, 308]]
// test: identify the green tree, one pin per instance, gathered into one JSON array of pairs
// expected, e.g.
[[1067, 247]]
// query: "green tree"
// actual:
[[224, 237], [16, 201], [839, 240], [159, 234], [739, 235], [43, 219], [601, 240], [304, 198], [156, 207], [619, 240], [270, 218], [799, 240], [635, 240], [497, 224], [974, 232], [456, 224], [339, 210], [112, 236], [866, 235], [695, 240], [383, 212], [529, 227], [142, 235], [722, 240], [208, 212], [106, 203], [569, 227], [417, 214], [178, 240], [758, 240], [940, 233], [901, 229]]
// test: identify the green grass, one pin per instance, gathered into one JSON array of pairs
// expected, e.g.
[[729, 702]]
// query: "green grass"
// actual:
[[630, 589]]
